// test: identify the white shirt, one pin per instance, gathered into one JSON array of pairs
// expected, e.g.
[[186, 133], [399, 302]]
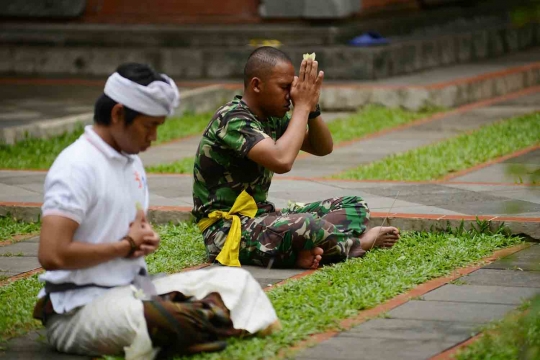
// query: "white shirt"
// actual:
[[99, 188]]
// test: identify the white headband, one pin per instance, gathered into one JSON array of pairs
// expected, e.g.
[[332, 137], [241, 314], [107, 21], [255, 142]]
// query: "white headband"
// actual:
[[156, 99]]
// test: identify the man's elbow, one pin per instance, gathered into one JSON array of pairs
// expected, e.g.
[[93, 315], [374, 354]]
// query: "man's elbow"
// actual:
[[283, 168], [327, 151], [50, 262]]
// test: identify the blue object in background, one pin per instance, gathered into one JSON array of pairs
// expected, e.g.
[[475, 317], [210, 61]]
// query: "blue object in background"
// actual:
[[370, 38]]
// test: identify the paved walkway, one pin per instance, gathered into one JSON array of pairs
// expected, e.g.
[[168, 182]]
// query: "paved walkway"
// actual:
[[415, 330], [363, 151], [441, 128], [450, 198]]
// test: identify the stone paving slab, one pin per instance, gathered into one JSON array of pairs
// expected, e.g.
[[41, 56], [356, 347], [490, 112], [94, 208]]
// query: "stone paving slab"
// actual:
[[481, 294], [524, 260], [34, 346], [10, 266], [530, 194], [407, 329], [487, 174], [346, 348], [499, 171], [20, 249], [171, 152], [14, 191], [457, 200], [450, 311], [511, 278], [530, 158]]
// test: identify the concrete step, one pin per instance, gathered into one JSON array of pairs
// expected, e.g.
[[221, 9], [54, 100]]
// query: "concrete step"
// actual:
[[447, 20], [446, 87], [341, 62]]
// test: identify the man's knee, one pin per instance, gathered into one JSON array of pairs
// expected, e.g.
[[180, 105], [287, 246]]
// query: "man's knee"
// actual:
[[302, 223], [349, 202]]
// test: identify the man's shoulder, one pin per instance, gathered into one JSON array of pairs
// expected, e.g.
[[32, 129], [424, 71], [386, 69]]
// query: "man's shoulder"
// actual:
[[233, 110], [80, 154]]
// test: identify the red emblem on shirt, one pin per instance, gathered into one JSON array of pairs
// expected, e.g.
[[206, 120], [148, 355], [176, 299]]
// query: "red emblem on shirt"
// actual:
[[138, 179]]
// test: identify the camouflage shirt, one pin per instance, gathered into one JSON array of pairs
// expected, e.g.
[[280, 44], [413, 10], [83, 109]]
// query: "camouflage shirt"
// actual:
[[222, 169]]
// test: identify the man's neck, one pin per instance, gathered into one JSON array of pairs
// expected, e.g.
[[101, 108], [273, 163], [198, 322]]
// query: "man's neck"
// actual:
[[104, 133], [248, 100]]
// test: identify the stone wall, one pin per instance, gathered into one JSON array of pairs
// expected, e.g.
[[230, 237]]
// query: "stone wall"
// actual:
[[172, 11], [193, 11]]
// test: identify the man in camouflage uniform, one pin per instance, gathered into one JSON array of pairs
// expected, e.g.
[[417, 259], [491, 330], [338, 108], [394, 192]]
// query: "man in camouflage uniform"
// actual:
[[251, 138]]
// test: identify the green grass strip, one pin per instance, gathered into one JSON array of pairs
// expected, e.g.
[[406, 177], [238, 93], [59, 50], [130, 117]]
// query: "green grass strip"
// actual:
[[369, 120], [185, 125], [318, 302], [181, 247], [435, 161], [18, 299], [40, 153], [10, 227], [517, 336], [183, 166]]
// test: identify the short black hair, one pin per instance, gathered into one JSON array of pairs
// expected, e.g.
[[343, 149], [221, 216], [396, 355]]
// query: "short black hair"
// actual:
[[261, 62], [142, 74]]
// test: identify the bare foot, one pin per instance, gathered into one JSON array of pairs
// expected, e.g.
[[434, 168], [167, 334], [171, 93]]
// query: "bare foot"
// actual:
[[309, 259], [379, 236]]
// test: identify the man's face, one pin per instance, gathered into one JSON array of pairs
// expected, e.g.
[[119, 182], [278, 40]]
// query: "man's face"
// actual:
[[275, 90], [138, 135]]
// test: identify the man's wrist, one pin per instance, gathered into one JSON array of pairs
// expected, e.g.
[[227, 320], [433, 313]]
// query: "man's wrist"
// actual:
[[315, 114], [128, 246]]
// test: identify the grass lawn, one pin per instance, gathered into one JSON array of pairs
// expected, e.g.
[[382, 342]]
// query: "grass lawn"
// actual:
[[517, 336], [369, 120], [435, 161], [10, 227], [40, 153], [333, 293]]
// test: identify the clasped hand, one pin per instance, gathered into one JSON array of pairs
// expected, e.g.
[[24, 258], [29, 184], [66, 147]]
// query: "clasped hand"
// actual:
[[144, 236], [306, 87]]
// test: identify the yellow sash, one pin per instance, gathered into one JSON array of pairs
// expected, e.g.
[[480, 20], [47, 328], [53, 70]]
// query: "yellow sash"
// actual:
[[243, 205]]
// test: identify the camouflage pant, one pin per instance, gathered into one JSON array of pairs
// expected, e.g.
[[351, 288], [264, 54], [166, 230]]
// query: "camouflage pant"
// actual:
[[334, 225]]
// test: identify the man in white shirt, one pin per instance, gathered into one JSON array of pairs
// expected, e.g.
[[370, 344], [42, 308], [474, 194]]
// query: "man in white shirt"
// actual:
[[97, 297]]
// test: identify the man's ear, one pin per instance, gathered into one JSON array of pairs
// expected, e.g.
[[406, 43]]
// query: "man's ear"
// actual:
[[117, 114], [256, 85]]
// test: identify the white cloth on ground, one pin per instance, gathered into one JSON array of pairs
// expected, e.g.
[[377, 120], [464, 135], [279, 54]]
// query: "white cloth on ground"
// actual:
[[158, 98], [114, 322]]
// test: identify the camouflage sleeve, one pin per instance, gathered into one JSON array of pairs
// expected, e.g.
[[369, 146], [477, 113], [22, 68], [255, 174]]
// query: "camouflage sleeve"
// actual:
[[241, 134], [284, 124]]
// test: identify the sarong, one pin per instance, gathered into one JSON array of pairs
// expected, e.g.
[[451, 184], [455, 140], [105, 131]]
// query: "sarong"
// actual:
[[194, 311]]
